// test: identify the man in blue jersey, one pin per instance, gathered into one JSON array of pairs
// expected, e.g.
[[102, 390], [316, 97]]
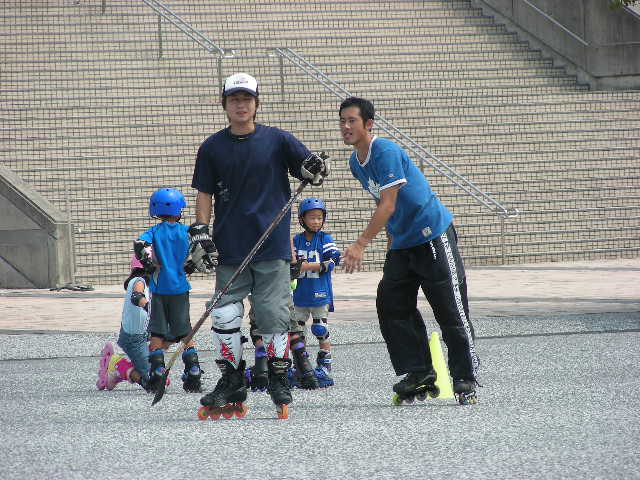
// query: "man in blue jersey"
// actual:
[[422, 253], [241, 173]]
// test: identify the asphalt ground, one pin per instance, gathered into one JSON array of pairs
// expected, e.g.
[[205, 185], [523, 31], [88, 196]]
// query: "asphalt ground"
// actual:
[[559, 373]]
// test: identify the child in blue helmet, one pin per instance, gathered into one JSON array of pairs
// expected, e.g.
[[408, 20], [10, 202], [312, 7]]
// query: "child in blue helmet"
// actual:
[[317, 255], [169, 320]]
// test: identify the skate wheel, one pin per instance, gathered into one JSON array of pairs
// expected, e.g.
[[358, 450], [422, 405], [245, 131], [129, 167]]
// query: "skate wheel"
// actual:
[[409, 400], [241, 410], [227, 411], [283, 411], [421, 396], [396, 400], [435, 393], [107, 352], [203, 413], [215, 412]]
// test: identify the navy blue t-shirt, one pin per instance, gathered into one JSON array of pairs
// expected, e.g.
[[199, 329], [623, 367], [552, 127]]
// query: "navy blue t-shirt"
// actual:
[[247, 177]]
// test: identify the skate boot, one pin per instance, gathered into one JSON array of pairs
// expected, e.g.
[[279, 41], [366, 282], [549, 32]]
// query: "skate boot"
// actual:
[[279, 385], [107, 352], [120, 368], [418, 385], [228, 398], [323, 369], [465, 391], [144, 383], [292, 377], [191, 376], [257, 377], [156, 369], [303, 369]]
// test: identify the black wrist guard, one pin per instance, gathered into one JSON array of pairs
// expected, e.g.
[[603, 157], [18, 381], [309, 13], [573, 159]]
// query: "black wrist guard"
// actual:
[[136, 297]]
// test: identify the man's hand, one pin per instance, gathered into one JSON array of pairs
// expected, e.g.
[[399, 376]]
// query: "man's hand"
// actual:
[[353, 256], [315, 168], [202, 251]]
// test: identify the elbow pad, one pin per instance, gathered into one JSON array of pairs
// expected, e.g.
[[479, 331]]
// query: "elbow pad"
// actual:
[[136, 297]]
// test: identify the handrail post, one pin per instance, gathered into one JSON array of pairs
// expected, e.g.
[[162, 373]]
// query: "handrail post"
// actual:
[[159, 36], [220, 84], [502, 245], [72, 253], [281, 62]]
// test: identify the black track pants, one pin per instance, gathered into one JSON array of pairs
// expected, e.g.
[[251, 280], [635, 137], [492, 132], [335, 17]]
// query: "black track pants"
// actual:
[[437, 268]]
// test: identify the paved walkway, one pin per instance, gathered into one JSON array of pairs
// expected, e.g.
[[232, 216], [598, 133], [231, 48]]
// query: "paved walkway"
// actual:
[[555, 381], [549, 288]]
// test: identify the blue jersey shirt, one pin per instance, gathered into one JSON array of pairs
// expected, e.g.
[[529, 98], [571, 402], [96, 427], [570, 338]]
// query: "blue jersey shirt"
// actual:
[[170, 250], [419, 216], [247, 177], [314, 288]]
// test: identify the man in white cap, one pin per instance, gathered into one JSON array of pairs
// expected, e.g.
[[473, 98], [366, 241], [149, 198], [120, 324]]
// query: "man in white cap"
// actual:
[[241, 174]]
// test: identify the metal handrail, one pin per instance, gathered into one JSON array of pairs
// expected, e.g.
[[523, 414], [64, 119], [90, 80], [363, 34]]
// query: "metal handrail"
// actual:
[[418, 150], [312, 71], [185, 27], [287, 53], [194, 34]]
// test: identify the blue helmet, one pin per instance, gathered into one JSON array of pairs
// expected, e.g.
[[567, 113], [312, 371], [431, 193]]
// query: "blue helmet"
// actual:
[[167, 201], [311, 204]]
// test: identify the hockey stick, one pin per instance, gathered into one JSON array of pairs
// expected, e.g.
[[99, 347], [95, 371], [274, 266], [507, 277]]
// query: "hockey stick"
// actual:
[[216, 298]]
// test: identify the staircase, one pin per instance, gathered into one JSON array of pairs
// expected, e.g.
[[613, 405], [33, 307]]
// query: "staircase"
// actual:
[[97, 114]]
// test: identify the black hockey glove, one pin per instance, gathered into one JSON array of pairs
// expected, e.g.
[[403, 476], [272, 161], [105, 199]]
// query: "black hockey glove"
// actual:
[[294, 269], [143, 253], [315, 168], [202, 251], [189, 266]]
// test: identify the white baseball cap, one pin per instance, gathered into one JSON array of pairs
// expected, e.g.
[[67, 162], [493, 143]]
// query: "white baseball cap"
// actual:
[[240, 82]]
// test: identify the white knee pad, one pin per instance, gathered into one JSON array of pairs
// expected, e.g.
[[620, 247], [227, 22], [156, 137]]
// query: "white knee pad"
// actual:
[[228, 317], [227, 340]]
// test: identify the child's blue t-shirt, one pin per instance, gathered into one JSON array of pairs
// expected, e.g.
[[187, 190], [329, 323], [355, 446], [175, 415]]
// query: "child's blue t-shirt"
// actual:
[[419, 216], [170, 250], [135, 320], [314, 288]]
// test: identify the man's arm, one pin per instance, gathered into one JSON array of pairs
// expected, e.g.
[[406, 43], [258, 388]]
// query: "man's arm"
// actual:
[[354, 254], [204, 207]]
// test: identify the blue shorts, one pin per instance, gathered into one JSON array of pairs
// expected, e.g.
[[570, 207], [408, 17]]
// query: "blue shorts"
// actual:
[[169, 317]]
